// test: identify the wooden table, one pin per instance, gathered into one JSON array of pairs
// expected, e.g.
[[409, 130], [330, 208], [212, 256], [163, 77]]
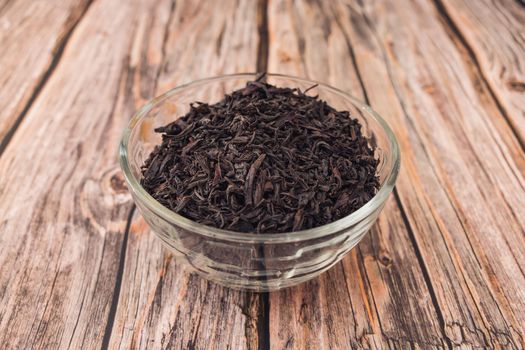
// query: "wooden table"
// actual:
[[444, 267]]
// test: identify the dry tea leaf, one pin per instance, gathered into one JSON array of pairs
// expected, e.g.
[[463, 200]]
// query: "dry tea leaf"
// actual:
[[264, 159]]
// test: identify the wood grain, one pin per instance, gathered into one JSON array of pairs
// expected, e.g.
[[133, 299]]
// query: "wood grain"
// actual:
[[363, 301], [493, 33], [31, 45], [161, 305], [63, 202], [409, 68], [457, 170], [443, 268]]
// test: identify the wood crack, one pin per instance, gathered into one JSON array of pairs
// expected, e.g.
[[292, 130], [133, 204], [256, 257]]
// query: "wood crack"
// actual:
[[164, 45], [485, 334], [423, 267], [120, 272], [402, 210], [118, 282], [262, 29], [350, 298], [263, 321], [299, 35], [352, 56], [57, 272], [5, 5], [451, 27], [364, 272], [58, 50], [263, 314], [410, 231]]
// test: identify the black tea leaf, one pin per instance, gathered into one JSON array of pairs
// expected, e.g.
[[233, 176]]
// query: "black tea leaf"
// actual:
[[264, 159]]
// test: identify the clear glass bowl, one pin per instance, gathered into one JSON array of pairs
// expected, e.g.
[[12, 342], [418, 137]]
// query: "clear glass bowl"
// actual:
[[260, 262]]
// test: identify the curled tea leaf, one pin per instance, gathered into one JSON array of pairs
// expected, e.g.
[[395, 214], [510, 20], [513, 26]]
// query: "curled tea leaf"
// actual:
[[263, 159]]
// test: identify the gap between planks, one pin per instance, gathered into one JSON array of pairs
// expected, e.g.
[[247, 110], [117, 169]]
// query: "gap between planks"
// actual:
[[118, 282], [122, 259], [58, 50], [395, 194], [452, 28], [262, 28], [263, 53], [262, 59], [424, 269], [263, 319], [478, 74]]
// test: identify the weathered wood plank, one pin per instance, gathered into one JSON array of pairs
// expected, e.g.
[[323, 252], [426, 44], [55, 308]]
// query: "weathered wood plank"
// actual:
[[370, 299], [367, 301], [444, 265], [4, 5], [64, 206], [493, 31], [223, 40], [162, 305], [461, 184], [31, 44]]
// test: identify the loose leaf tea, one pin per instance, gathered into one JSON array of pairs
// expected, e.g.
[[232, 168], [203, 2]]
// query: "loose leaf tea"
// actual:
[[263, 159]]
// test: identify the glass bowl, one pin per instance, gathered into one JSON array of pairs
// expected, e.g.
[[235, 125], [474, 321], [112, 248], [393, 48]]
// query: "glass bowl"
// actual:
[[250, 261]]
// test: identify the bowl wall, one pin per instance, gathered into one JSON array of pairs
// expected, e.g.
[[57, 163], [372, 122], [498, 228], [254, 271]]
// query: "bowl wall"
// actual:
[[250, 261]]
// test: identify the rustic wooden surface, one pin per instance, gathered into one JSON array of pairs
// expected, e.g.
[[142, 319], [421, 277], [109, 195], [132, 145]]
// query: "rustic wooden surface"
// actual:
[[443, 268]]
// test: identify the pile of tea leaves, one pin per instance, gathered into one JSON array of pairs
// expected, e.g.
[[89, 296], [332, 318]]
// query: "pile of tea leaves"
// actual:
[[264, 159]]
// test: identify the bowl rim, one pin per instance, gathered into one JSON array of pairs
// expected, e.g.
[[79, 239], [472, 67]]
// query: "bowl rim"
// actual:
[[294, 236]]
